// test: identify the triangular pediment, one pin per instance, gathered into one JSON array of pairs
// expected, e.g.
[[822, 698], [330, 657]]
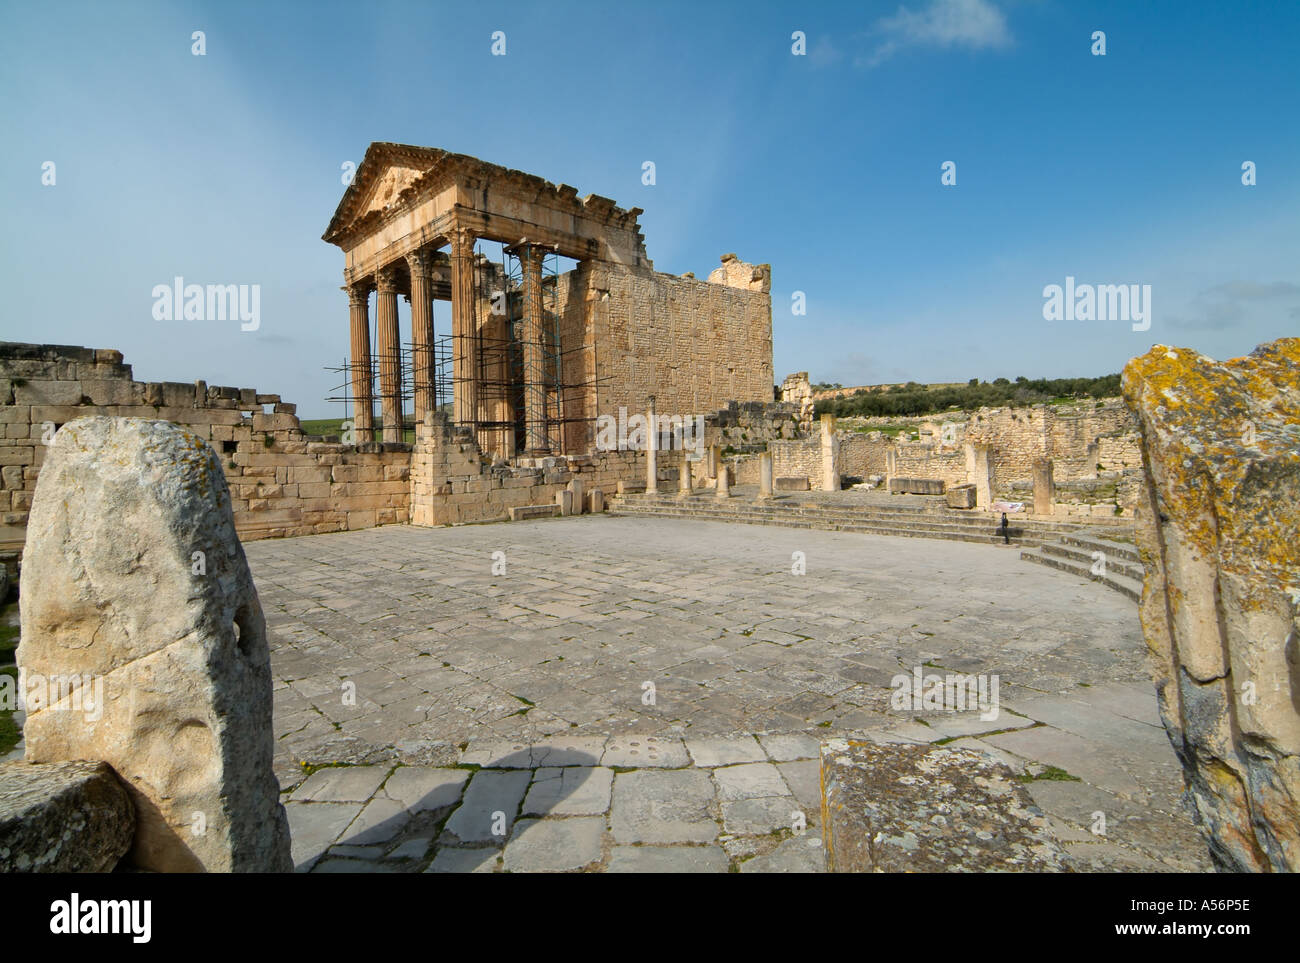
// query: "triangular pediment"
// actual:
[[384, 173]]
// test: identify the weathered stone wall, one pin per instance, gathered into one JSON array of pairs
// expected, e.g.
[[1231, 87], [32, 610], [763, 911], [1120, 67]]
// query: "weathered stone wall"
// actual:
[[1095, 447], [695, 345], [797, 390], [1219, 535], [281, 482], [796, 458], [1070, 438], [453, 483]]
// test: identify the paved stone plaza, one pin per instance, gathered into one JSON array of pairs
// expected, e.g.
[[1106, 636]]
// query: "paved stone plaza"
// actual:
[[649, 694]]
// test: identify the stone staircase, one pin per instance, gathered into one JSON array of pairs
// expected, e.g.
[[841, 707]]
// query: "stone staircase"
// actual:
[[1118, 566], [936, 521]]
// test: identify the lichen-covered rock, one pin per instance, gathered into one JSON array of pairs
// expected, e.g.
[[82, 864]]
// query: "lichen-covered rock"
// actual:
[[63, 817], [928, 809], [135, 584], [1219, 534]]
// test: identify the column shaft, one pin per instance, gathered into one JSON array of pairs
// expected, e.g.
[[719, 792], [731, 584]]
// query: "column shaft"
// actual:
[[534, 356], [390, 358], [421, 332], [463, 334], [363, 390]]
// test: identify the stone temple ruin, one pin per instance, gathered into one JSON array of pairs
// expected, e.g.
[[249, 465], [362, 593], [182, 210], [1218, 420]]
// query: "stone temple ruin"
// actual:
[[525, 405]]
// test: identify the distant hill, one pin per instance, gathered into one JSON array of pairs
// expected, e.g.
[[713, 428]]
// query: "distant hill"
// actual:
[[918, 399]]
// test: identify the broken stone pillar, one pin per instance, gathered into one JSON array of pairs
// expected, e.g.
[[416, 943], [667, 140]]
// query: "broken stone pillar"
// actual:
[[575, 486], [651, 451], [1044, 488], [684, 477], [564, 500], [830, 455], [724, 481], [978, 474], [596, 501], [765, 475], [1219, 533], [711, 465], [135, 583]]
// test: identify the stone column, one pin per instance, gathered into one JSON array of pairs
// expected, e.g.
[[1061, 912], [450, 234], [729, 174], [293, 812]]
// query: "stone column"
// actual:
[[421, 267], [977, 464], [765, 475], [684, 479], [724, 482], [1044, 487], [390, 354], [830, 455], [651, 450], [363, 391], [711, 464], [534, 357], [463, 334]]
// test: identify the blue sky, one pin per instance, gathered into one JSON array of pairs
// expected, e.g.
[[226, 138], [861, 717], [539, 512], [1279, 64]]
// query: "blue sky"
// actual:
[[226, 168]]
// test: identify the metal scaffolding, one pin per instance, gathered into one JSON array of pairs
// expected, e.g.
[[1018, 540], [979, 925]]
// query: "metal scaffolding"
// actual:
[[518, 371]]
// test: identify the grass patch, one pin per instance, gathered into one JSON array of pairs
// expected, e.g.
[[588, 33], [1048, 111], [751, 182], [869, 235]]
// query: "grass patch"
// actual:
[[1050, 774], [9, 731]]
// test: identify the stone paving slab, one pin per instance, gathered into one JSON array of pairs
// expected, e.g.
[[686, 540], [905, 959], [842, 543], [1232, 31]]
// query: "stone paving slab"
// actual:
[[490, 803], [668, 859], [663, 807], [571, 791], [750, 781], [554, 845]]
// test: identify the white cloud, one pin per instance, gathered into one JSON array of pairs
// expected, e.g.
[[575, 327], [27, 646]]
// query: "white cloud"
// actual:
[[972, 24]]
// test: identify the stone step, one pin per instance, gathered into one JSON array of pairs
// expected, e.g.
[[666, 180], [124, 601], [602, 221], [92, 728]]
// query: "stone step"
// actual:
[[984, 525], [1113, 549], [1084, 555], [877, 513], [521, 512], [947, 518], [1120, 583], [913, 531]]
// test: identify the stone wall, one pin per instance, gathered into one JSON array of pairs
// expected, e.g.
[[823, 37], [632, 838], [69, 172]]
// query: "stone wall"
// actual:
[[453, 483], [281, 481], [695, 345], [1096, 450], [802, 457]]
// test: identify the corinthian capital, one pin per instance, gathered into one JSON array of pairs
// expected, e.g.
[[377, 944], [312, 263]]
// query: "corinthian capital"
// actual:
[[386, 278], [420, 262]]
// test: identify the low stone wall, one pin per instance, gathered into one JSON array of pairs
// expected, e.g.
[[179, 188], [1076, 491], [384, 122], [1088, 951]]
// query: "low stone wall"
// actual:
[[281, 481], [452, 482]]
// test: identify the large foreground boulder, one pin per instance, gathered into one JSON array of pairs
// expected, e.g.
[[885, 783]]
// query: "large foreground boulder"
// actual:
[[63, 817], [1219, 533], [928, 809], [140, 618]]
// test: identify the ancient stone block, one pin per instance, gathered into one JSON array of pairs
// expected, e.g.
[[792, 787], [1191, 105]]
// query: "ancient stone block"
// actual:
[[1219, 534], [133, 579], [918, 808], [960, 496], [916, 486], [63, 817], [791, 483]]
